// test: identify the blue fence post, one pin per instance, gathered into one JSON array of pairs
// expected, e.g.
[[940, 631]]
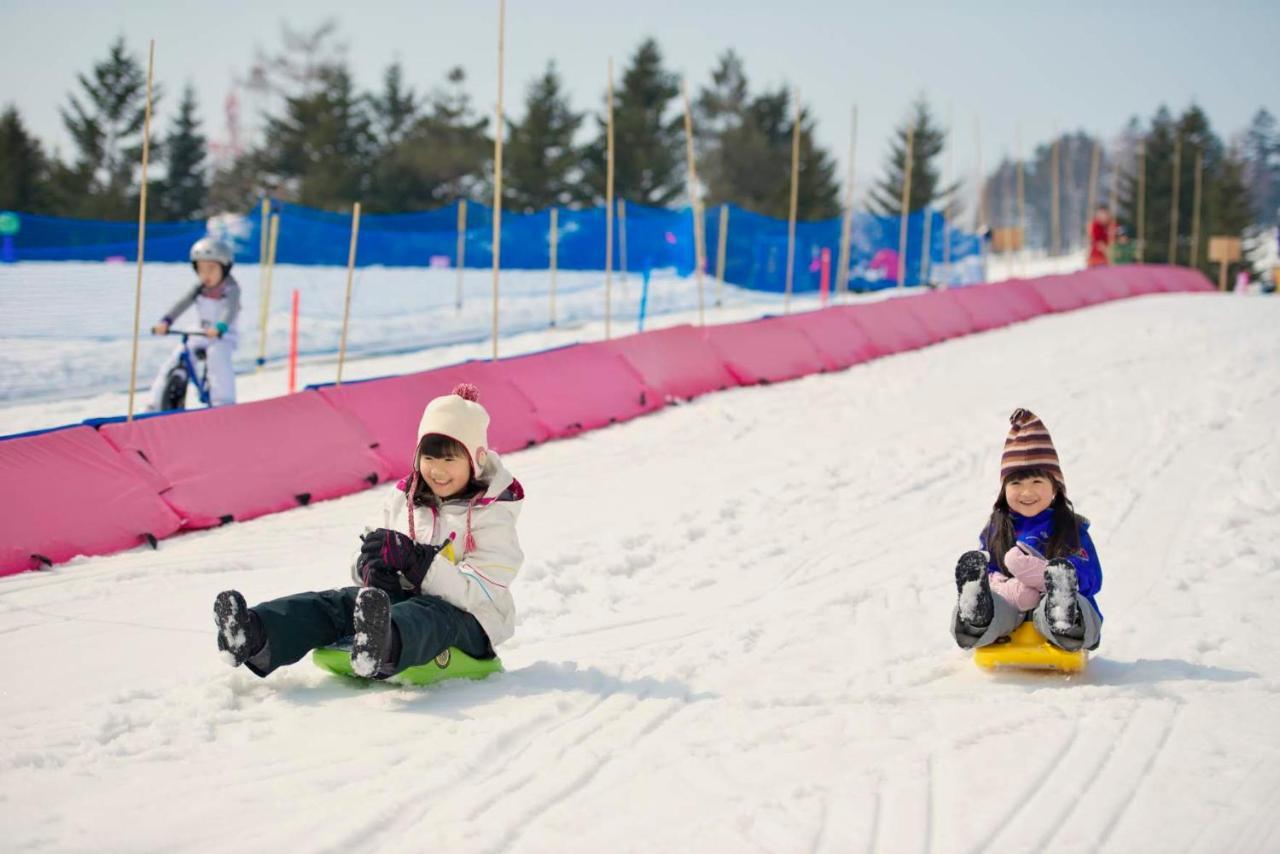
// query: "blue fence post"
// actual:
[[644, 293]]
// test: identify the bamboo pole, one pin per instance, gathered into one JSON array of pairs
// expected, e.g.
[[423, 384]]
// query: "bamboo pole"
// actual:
[[1173, 210], [1055, 194], [695, 204], [261, 250], [1022, 204], [460, 256], [795, 197], [622, 244], [846, 228], [946, 207], [981, 211], [263, 230], [1195, 210], [1095, 165], [499, 127], [1140, 249], [722, 240], [142, 227], [262, 237], [1112, 205], [555, 250], [608, 210], [906, 200], [264, 307], [925, 247], [346, 306]]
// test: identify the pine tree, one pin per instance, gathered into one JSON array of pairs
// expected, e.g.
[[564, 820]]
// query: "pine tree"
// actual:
[[649, 164], [395, 110], [23, 167], [541, 162], [1158, 165], [1262, 167], [106, 128], [926, 189], [745, 149], [1228, 210], [183, 192], [322, 144], [441, 159]]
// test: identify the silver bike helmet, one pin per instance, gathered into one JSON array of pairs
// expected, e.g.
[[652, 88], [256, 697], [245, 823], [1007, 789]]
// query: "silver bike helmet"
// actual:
[[212, 249]]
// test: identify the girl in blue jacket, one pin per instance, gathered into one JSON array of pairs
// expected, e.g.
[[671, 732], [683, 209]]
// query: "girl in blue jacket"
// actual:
[[1037, 560]]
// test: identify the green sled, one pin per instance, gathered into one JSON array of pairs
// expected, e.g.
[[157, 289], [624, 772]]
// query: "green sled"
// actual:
[[453, 663]]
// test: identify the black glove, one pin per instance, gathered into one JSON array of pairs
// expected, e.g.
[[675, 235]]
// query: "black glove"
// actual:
[[391, 552]]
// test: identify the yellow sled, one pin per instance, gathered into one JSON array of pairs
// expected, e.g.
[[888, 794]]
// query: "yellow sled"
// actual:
[[1027, 649]]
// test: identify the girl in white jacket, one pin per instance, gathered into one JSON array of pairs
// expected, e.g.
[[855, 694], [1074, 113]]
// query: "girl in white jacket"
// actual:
[[435, 566]]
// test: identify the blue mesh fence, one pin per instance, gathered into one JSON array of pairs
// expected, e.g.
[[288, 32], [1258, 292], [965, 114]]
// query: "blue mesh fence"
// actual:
[[660, 238]]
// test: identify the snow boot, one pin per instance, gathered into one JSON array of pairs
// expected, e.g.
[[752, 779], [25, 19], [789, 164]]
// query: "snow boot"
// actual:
[[974, 589], [1060, 589], [240, 632], [374, 651]]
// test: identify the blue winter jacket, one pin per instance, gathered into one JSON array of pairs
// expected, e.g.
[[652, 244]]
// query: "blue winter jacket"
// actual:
[[1035, 531]]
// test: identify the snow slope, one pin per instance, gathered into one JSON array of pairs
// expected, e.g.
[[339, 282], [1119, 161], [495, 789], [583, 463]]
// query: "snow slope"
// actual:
[[732, 634]]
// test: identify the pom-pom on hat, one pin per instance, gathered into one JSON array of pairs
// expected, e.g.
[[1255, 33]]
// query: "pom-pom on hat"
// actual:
[[1029, 447], [459, 416]]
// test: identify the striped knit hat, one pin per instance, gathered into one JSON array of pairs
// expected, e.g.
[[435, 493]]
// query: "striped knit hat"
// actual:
[[1029, 447]]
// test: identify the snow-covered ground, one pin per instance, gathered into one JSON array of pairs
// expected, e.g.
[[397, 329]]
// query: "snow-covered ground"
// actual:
[[738, 645]]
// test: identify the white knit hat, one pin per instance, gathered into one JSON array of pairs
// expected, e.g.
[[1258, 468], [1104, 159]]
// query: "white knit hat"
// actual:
[[460, 417]]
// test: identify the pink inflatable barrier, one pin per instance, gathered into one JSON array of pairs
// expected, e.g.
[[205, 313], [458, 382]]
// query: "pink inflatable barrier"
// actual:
[[1062, 293], [68, 493], [765, 351], [678, 362], [835, 334], [390, 408], [892, 327], [941, 313], [581, 388], [988, 306], [1180, 279], [239, 462], [1021, 297]]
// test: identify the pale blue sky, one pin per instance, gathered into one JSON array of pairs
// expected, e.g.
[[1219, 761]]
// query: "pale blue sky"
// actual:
[[1033, 65]]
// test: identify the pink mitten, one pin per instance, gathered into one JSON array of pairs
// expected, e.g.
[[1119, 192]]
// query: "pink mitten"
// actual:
[[1028, 569]]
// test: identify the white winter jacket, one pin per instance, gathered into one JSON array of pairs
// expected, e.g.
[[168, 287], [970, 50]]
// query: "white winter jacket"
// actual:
[[475, 574]]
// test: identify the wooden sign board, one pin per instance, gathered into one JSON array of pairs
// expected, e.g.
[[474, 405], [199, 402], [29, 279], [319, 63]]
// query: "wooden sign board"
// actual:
[[1224, 249]]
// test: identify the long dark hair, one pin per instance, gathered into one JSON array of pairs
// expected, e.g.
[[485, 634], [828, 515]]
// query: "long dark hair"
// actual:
[[439, 446], [1064, 538]]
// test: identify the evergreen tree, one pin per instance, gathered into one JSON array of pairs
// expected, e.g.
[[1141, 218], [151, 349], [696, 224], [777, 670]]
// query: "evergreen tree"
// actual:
[[322, 145], [106, 128], [1157, 165], [182, 193], [926, 189], [441, 159], [541, 162], [1228, 210], [745, 149], [395, 110], [23, 167], [649, 160], [1262, 167]]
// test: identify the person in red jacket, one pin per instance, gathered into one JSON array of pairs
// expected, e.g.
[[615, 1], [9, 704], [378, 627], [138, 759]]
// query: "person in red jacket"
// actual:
[[1101, 233]]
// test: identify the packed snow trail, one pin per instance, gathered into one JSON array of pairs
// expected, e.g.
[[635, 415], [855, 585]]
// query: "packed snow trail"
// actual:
[[733, 634]]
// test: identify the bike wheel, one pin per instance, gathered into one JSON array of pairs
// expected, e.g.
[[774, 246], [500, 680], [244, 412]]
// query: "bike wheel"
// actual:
[[175, 390]]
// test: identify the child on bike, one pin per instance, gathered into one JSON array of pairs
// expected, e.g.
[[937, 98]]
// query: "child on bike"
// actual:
[[217, 301]]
